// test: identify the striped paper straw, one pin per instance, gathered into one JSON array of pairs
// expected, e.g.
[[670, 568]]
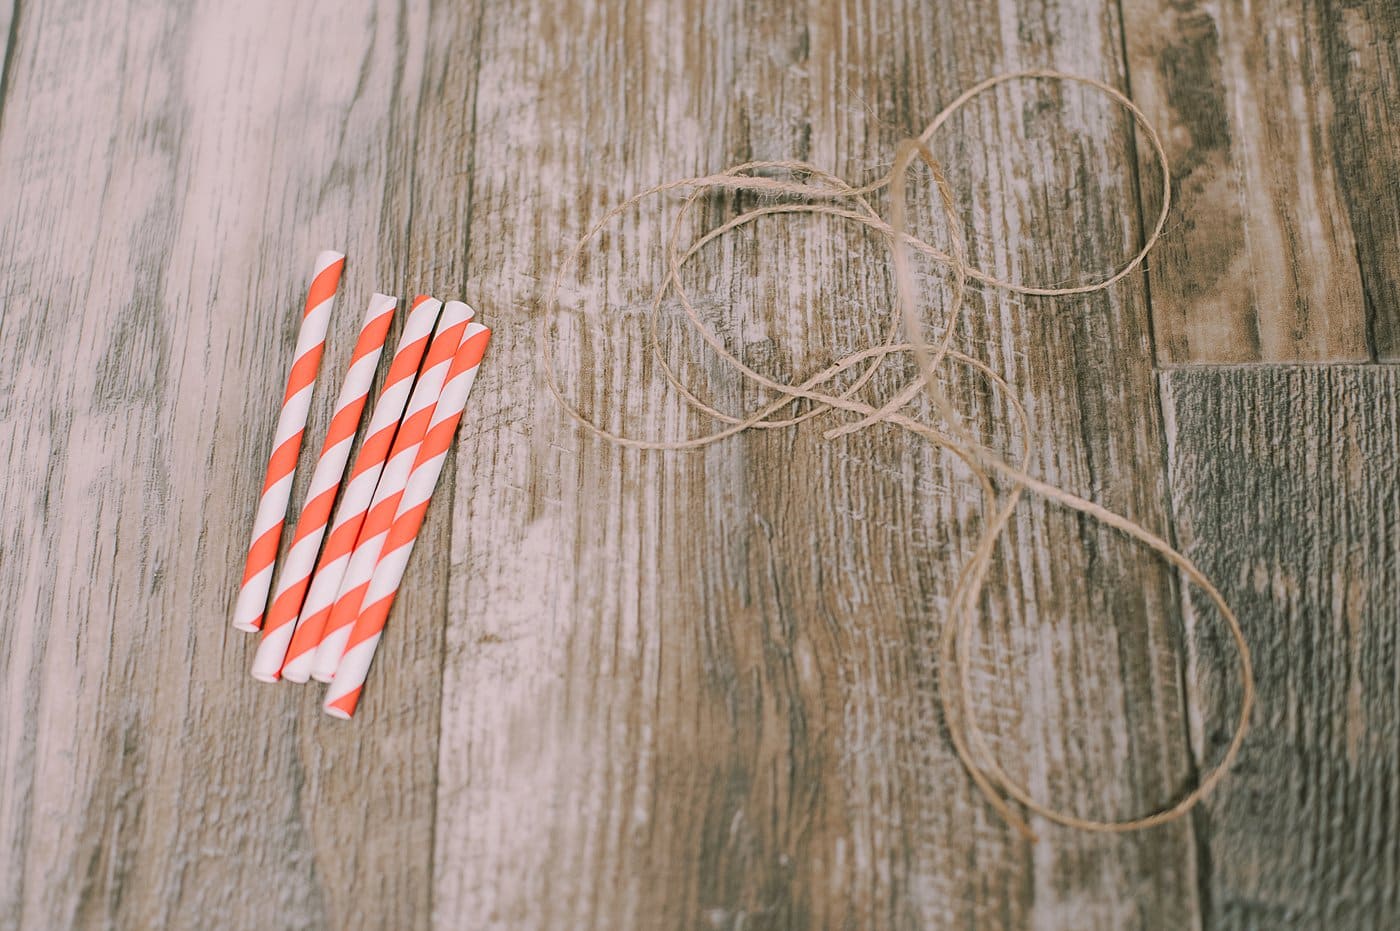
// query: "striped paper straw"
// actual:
[[325, 481], [358, 573], [344, 692], [286, 444], [359, 489]]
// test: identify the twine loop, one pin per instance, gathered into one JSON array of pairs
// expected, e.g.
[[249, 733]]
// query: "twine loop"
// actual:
[[811, 190]]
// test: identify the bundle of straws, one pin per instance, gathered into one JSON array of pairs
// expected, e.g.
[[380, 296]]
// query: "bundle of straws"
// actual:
[[328, 610]]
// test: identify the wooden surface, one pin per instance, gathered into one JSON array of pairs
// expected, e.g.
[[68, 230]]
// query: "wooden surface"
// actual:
[[1280, 120], [1284, 483], [628, 690]]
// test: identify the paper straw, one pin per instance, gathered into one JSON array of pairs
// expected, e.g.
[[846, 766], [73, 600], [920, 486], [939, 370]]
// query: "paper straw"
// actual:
[[344, 692], [286, 444], [382, 509], [320, 497], [359, 489]]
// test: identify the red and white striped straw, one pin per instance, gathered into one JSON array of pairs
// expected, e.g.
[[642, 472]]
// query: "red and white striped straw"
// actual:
[[286, 444], [344, 692], [415, 424], [359, 489], [325, 481]]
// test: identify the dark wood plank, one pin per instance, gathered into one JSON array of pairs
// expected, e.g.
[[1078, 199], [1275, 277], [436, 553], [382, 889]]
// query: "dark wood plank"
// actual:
[[9, 32], [699, 690], [1360, 44], [1284, 482], [169, 171], [1282, 122]]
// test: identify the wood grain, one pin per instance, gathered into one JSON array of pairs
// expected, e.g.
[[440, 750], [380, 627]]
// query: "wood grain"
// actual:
[[163, 202], [9, 29], [1361, 47], [698, 690], [1281, 122], [1284, 485], [632, 690]]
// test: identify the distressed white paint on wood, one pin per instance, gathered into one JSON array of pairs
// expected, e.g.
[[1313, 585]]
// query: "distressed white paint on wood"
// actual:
[[1284, 482], [680, 690], [169, 171], [698, 690]]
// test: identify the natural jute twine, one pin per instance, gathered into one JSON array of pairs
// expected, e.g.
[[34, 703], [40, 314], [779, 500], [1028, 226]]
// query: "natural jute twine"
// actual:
[[807, 189]]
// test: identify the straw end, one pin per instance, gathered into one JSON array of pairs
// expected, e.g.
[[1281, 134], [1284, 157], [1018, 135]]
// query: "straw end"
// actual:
[[344, 706], [467, 311]]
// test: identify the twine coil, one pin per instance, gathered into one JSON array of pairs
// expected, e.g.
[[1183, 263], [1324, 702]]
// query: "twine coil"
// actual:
[[811, 190]]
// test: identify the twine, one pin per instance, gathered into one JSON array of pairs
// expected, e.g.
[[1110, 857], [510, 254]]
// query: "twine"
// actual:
[[816, 191]]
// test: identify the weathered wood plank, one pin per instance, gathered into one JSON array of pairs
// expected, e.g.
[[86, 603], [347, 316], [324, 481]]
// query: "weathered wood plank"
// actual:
[[169, 170], [1284, 482], [698, 690], [9, 27], [1281, 121], [680, 690], [1361, 46]]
